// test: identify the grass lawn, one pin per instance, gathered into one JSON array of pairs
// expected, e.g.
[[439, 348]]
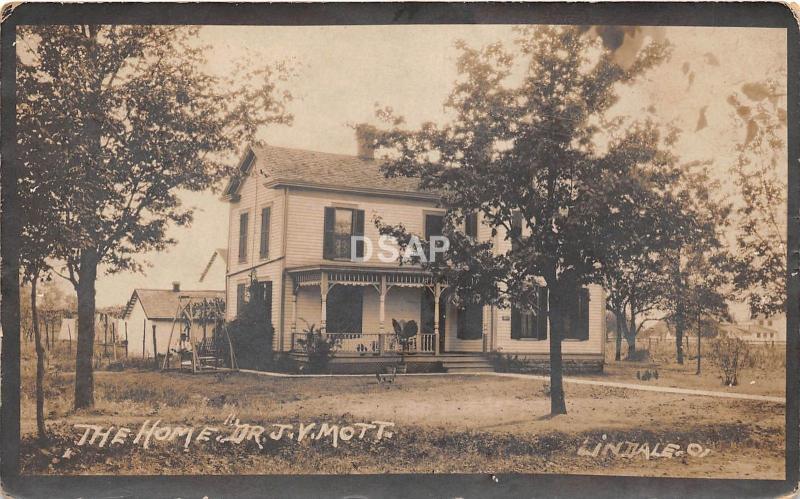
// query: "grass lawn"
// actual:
[[764, 375], [476, 424]]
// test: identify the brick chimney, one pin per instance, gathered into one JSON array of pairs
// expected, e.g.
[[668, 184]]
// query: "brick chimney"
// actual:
[[365, 139], [176, 286]]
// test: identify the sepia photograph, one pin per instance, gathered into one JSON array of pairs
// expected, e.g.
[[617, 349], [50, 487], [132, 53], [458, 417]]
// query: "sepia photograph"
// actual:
[[402, 248]]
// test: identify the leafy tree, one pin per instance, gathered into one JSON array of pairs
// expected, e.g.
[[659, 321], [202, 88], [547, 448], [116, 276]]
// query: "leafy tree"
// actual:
[[759, 174], [130, 117], [38, 237], [646, 224], [536, 153], [698, 269]]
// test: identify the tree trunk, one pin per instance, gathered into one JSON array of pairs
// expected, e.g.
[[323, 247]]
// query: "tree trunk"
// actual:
[[679, 341], [84, 376], [699, 334], [557, 402], [620, 320], [630, 338], [42, 430]]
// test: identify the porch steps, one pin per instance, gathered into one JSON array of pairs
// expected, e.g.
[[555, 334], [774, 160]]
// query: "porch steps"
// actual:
[[467, 364]]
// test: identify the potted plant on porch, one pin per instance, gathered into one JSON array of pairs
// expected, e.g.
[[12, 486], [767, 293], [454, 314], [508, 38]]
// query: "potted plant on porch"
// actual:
[[405, 331]]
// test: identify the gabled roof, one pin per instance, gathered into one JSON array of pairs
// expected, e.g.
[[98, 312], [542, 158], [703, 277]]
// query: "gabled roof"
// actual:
[[311, 169], [222, 254], [163, 303]]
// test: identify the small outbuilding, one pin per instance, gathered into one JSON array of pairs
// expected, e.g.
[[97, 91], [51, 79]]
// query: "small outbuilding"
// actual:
[[149, 317]]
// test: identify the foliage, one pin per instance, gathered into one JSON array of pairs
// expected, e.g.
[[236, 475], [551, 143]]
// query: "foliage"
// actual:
[[506, 363], [405, 331], [251, 332], [730, 355], [759, 173], [130, 117], [697, 268], [319, 347], [541, 150]]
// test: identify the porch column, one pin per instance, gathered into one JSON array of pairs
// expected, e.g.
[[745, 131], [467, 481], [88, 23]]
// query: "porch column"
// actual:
[[437, 291], [294, 311], [382, 309], [323, 288]]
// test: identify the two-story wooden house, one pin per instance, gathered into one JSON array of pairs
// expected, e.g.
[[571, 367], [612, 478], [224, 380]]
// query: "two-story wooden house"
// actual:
[[292, 215]]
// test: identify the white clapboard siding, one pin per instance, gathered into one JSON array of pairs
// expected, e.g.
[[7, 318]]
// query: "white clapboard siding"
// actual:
[[268, 272], [140, 333], [253, 196], [304, 243], [307, 215], [594, 344]]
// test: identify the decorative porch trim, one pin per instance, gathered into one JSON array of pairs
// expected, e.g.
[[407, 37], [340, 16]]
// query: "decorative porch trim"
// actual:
[[381, 278]]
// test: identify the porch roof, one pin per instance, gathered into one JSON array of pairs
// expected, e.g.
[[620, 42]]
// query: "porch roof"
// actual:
[[360, 274]]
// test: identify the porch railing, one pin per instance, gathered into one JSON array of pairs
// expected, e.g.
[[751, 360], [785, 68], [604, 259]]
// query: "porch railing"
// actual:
[[371, 343]]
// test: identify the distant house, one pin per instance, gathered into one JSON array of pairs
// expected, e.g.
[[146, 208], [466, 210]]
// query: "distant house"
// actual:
[[215, 271], [292, 217], [150, 310], [755, 333]]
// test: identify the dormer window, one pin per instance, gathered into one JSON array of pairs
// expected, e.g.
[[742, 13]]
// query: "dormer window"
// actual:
[[248, 161]]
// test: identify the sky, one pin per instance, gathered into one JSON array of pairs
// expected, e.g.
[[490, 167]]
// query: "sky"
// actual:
[[343, 72]]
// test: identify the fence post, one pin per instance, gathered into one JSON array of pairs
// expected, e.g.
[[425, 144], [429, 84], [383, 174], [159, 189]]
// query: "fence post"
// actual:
[[155, 349]]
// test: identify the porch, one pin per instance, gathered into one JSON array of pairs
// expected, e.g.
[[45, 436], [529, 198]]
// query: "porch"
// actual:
[[354, 340]]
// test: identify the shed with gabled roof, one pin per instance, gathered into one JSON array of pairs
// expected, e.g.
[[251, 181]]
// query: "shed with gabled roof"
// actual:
[[150, 310]]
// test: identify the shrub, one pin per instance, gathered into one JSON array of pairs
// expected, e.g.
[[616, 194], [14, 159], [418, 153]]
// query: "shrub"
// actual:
[[251, 332], [730, 355], [506, 363], [319, 347]]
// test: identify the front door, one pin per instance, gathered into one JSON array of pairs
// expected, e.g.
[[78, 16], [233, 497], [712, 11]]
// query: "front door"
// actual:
[[344, 309], [466, 332]]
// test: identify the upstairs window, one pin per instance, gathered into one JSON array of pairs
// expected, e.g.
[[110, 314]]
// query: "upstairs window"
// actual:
[[341, 224], [263, 251], [471, 225], [243, 227], [434, 225], [530, 324]]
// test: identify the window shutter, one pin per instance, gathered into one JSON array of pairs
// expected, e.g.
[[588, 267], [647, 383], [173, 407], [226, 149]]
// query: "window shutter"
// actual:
[[582, 324], [264, 247], [358, 230], [516, 228], [541, 317], [327, 244], [243, 223], [515, 323], [471, 225]]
